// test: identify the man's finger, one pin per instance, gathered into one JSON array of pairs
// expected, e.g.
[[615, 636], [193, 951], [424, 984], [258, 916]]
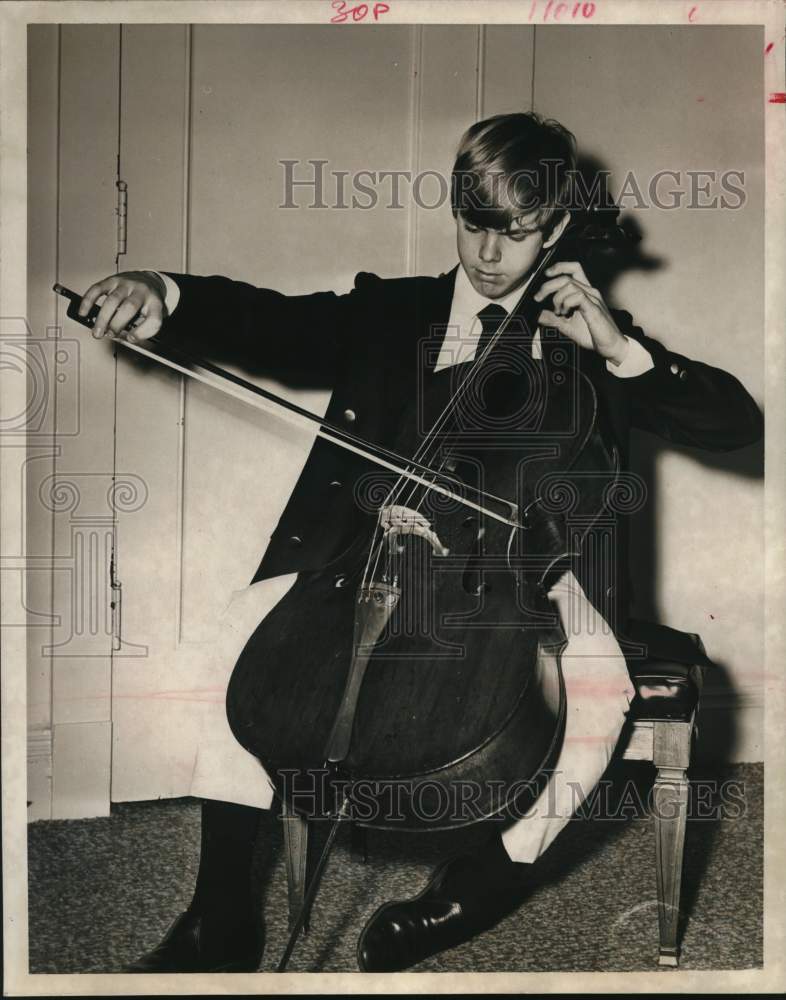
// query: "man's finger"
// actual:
[[571, 267], [549, 287], [94, 293], [124, 314], [571, 298], [148, 328], [554, 284], [561, 323], [106, 312]]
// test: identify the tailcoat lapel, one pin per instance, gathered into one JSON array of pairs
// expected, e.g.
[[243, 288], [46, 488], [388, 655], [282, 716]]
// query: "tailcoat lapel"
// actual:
[[433, 313]]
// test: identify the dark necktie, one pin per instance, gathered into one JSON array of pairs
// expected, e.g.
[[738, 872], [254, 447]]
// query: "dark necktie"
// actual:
[[491, 318]]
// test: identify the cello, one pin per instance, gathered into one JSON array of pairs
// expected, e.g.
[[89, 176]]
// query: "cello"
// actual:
[[423, 661]]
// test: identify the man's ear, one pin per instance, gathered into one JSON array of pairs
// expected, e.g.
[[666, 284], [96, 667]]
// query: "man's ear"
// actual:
[[558, 230]]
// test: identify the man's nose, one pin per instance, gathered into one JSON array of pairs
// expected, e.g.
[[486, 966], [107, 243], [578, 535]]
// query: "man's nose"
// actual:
[[490, 250]]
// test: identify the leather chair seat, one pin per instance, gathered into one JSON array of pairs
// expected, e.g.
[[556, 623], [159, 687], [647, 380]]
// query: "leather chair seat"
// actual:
[[668, 678], [664, 690]]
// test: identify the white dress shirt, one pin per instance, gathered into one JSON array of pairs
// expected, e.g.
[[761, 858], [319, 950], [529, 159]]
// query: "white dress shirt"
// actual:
[[464, 327]]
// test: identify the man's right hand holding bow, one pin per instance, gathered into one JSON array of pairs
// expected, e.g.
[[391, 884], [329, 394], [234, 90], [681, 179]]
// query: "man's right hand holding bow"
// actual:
[[133, 305]]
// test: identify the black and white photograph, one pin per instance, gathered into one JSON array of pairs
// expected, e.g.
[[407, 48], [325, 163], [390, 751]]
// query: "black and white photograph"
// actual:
[[393, 487]]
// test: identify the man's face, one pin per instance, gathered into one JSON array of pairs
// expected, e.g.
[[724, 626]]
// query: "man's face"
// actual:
[[498, 261]]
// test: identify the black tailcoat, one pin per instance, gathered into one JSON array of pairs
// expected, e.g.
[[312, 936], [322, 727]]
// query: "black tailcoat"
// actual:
[[373, 345]]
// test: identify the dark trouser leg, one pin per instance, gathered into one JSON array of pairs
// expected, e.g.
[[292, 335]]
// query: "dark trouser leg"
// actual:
[[219, 930], [223, 886]]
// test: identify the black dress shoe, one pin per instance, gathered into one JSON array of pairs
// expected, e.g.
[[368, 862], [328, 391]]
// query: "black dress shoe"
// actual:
[[463, 898], [195, 943]]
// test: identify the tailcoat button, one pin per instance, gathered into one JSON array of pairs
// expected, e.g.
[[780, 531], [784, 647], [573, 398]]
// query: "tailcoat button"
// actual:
[[350, 416], [335, 483], [683, 375], [675, 369], [295, 540]]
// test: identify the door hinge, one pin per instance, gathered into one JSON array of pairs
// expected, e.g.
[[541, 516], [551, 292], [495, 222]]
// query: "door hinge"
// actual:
[[122, 216], [116, 606]]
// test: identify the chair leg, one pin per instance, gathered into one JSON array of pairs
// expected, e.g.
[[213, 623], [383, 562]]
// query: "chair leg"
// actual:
[[672, 741], [296, 851]]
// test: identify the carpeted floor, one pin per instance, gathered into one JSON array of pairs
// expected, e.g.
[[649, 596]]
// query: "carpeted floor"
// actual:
[[104, 890]]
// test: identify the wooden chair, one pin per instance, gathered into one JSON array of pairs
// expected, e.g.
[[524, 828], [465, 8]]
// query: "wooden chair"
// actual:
[[661, 729]]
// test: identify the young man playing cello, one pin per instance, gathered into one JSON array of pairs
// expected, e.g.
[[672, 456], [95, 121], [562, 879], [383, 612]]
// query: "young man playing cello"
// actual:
[[506, 215]]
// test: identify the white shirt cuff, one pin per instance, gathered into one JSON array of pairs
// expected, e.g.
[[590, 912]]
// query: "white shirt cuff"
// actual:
[[637, 361], [172, 292]]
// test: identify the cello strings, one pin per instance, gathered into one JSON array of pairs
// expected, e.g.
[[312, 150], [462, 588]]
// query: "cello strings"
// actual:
[[464, 386], [395, 494], [467, 383], [447, 412]]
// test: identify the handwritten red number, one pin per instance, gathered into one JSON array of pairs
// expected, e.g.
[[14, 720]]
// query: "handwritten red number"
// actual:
[[359, 12]]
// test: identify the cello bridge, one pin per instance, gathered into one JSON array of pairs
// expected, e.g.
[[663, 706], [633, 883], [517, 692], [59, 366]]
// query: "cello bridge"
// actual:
[[397, 521]]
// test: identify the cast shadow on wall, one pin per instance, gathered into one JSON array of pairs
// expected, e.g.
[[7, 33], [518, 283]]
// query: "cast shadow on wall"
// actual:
[[604, 269]]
